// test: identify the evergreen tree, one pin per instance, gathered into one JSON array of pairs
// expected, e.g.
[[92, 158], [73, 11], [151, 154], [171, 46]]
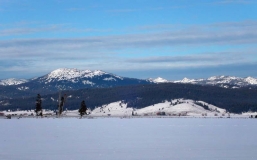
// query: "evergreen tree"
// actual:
[[61, 105], [38, 110], [83, 108]]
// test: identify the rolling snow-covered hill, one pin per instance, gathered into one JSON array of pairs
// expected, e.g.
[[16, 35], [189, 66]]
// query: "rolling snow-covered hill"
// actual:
[[113, 109], [179, 107]]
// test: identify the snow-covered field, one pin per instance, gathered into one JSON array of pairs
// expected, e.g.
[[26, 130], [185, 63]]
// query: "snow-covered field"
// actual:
[[128, 138], [176, 107]]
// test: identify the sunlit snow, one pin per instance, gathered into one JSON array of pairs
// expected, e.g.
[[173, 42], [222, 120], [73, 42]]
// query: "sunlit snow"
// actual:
[[127, 139]]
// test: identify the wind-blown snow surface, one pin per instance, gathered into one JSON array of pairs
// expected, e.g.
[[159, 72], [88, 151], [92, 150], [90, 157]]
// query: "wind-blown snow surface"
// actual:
[[126, 139]]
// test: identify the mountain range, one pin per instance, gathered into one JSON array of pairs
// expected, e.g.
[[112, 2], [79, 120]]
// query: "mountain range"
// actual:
[[63, 79], [99, 88], [222, 81]]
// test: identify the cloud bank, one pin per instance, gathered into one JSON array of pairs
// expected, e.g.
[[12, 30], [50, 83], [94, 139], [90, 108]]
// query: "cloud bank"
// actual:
[[115, 51]]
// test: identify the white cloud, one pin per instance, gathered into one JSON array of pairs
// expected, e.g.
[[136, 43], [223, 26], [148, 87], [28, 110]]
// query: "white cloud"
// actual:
[[106, 52]]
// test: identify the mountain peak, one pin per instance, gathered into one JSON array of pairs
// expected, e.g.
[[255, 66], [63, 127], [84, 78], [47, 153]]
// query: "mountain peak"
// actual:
[[251, 80], [75, 78], [68, 74], [65, 74], [185, 80]]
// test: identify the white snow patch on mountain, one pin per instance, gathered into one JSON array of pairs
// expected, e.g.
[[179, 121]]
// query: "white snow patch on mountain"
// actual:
[[88, 82], [109, 79], [186, 80], [66, 74], [12, 81], [158, 80], [98, 73], [23, 88]]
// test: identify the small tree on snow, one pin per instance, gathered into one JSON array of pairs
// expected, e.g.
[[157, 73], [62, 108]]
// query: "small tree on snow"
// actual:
[[38, 110], [83, 108]]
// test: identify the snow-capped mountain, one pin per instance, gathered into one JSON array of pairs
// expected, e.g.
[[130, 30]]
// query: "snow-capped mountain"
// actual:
[[222, 81], [74, 75], [12, 81], [72, 79]]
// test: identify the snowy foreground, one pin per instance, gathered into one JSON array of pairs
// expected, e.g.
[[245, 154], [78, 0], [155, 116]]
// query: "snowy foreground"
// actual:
[[128, 139]]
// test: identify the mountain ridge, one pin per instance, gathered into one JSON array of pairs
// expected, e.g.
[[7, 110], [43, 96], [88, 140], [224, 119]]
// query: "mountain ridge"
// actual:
[[92, 79], [222, 81]]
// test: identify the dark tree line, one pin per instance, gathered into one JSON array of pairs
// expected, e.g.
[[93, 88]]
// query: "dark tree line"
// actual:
[[139, 96]]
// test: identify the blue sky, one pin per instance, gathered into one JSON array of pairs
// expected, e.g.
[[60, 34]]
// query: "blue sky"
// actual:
[[133, 38]]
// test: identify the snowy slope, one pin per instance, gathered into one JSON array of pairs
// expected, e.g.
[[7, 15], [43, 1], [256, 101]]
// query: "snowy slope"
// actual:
[[12, 81], [178, 107], [113, 109]]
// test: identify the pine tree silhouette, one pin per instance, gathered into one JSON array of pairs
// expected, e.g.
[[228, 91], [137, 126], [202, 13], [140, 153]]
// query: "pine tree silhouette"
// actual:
[[83, 108], [38, 110]]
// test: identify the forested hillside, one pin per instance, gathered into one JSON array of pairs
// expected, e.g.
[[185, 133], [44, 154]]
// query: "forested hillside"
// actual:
[[139, 96]]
